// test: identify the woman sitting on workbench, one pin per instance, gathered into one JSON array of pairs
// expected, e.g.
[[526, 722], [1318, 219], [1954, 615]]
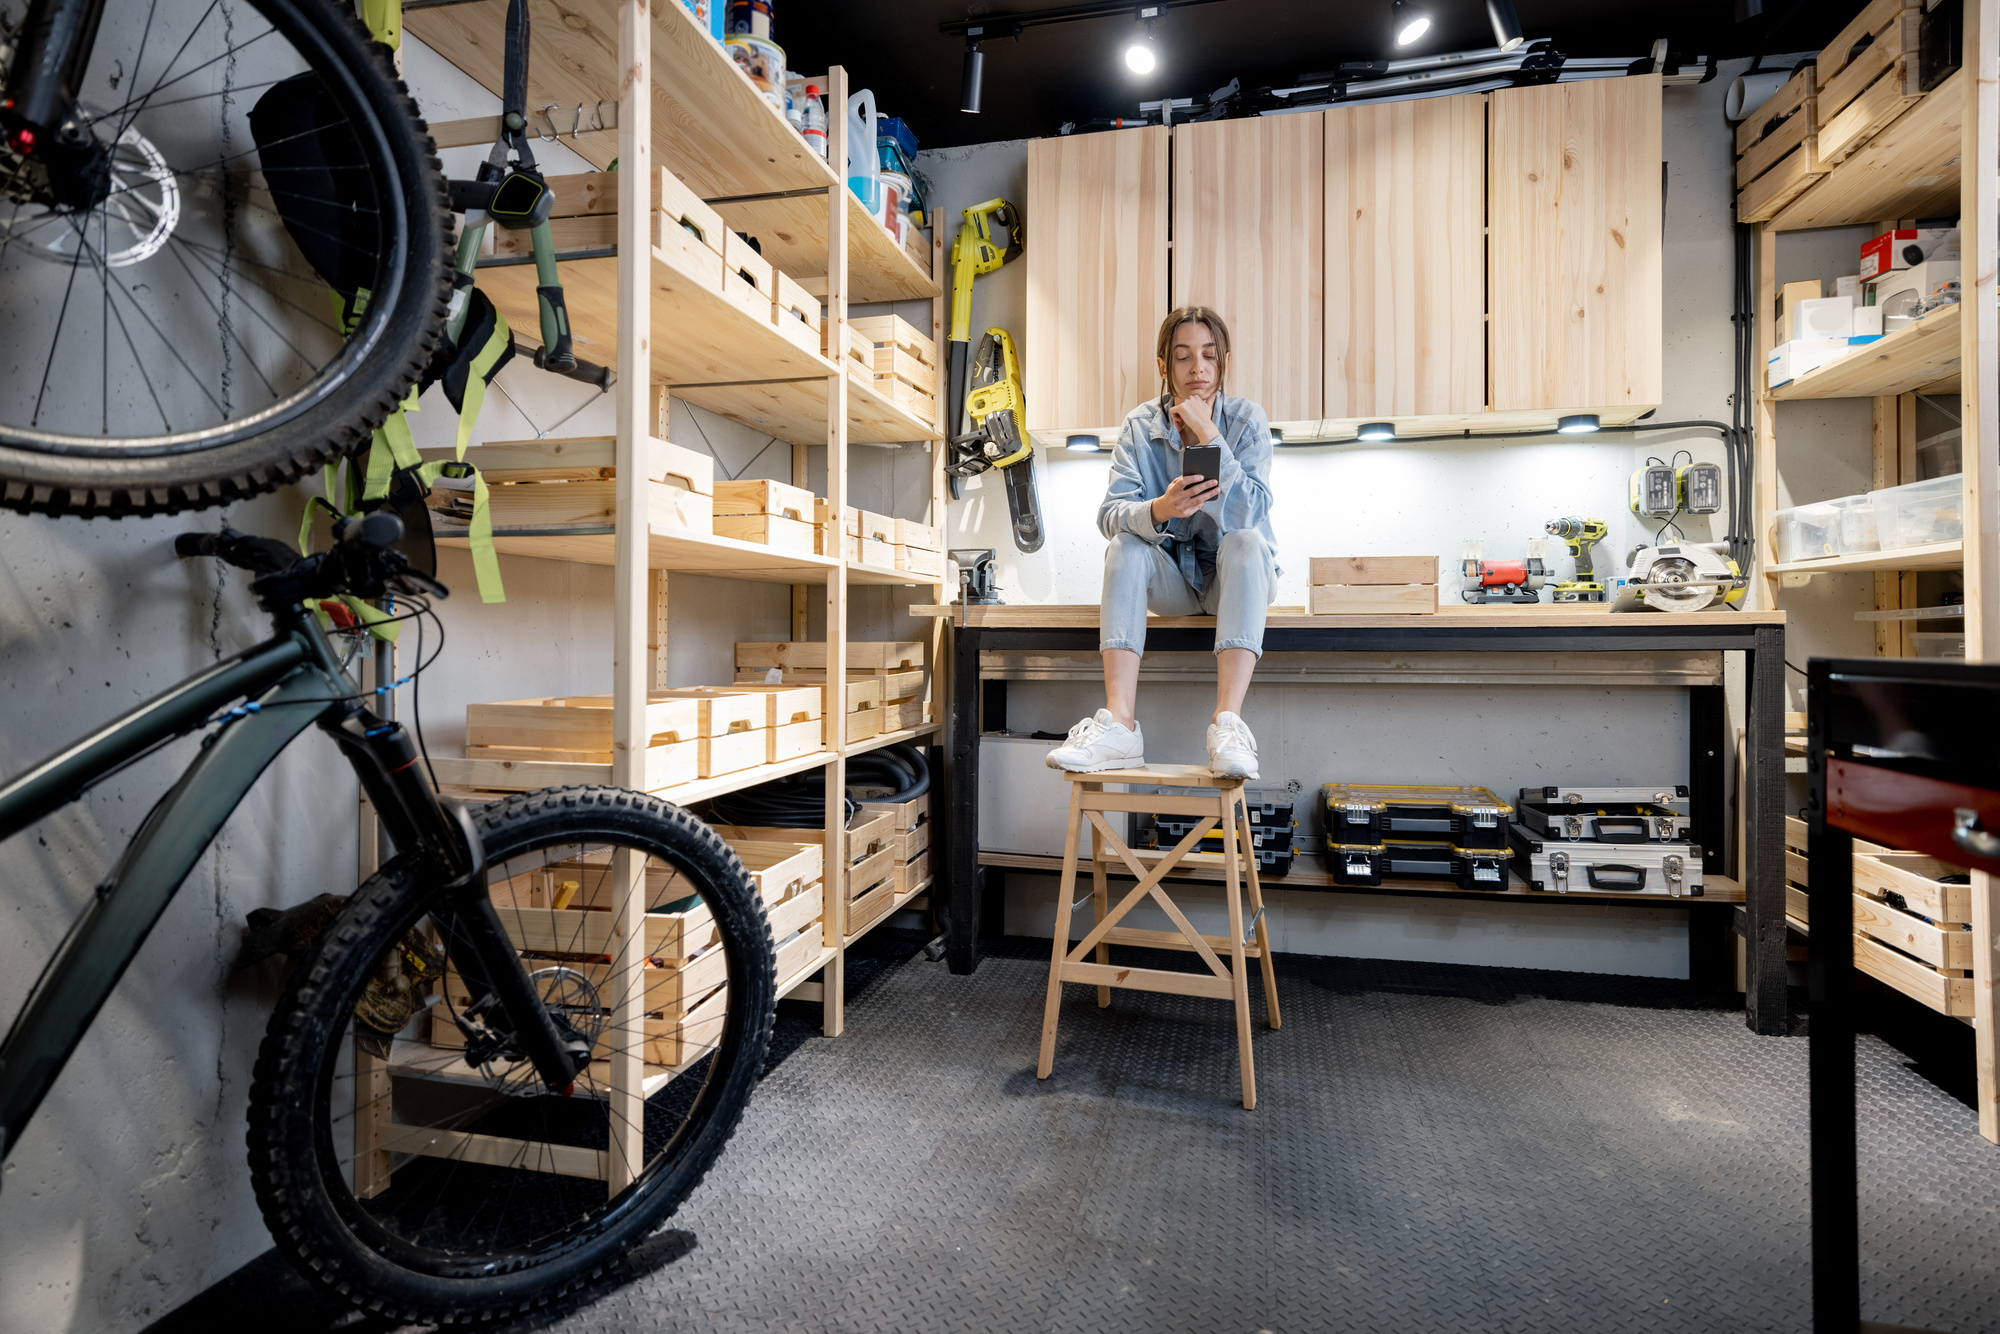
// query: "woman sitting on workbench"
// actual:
[[1183, 545]]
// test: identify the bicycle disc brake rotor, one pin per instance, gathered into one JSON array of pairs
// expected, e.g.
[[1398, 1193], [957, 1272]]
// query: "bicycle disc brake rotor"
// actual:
[[574, 1001], [140, 208]]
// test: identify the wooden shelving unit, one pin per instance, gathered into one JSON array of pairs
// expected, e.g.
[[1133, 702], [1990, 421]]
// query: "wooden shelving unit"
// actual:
[[1939, 156], [668, 335]]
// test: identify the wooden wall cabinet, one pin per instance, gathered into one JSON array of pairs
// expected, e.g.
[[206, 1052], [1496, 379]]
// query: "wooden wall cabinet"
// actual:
[[1249, 232], [1097, 276], [1405, 263], [1574, 233]]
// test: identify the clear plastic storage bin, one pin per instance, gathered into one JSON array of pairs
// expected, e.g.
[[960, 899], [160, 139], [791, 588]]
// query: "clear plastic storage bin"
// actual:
[[1945, 645], [1920, 513], [1857, 530], [1808, 532]]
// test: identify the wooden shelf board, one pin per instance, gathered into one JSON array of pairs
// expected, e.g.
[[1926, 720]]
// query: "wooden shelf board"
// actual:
[[826, 952], [1306, 875], [711, 127], [1909, 170], [891, 738], [857, 573], [686, 553], [527, 775], [1924, 355], [420, 1060], [1081, 616], [1937, 556], [1445, 426]]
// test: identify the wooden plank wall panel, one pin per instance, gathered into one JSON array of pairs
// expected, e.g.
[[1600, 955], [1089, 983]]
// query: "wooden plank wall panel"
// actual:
[[1405, 267], [1574, 245], [1249, 208], [1097, 275]]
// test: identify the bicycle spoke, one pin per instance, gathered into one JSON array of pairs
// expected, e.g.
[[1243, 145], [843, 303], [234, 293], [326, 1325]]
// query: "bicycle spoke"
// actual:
[[56, 340], [253, 310]]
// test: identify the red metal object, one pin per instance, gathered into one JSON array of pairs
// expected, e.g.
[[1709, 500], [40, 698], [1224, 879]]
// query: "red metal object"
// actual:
[[23, 141], [1908, 810], [1502, 573]]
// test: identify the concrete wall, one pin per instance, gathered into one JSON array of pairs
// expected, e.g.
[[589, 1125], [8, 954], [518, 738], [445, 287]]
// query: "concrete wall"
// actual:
[[1430, 498]]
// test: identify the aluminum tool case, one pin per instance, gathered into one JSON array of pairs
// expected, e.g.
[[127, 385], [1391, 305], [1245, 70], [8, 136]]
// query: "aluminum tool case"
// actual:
[[1359, 814], [1673, 796], [1606, 821], [1559, 866]]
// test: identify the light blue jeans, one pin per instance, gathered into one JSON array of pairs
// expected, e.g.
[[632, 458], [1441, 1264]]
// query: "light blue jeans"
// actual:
[[1141, 577]]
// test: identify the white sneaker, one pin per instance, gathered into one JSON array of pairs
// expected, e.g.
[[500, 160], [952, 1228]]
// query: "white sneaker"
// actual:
[[1097, 743], [1232, 751]]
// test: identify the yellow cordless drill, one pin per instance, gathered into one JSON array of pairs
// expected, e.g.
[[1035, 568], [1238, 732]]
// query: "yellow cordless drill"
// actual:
[[1581, 537]]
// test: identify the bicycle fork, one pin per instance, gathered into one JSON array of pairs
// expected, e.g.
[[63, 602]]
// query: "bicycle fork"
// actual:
[[38, 108], [441, 832]]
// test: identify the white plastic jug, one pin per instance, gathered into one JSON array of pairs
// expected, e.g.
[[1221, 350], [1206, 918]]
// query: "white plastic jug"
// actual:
[[864, 166]]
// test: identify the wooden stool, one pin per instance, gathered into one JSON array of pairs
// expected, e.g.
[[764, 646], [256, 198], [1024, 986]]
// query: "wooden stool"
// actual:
[[1226, 808]]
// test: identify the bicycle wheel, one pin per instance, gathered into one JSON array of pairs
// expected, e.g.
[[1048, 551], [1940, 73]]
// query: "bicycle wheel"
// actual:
[[443, 1182], [173, 344]]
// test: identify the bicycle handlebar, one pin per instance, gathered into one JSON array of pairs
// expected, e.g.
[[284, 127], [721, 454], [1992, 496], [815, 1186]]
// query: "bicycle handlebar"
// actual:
[[363, 561]]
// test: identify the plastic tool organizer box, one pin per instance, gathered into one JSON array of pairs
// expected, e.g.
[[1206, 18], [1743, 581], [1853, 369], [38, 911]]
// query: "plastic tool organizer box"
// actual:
[[1607, 814], [1368, 863], [1273, 823], [1369, 814]]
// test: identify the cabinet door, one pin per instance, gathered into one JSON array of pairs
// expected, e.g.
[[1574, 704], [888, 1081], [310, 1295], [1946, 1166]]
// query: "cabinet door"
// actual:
[[1574, 245], [1096, 217], [1405, 258], [1249, 240]]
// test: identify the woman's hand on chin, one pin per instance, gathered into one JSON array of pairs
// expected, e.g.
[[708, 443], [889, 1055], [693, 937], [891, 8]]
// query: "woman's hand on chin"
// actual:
[[1195, 415]]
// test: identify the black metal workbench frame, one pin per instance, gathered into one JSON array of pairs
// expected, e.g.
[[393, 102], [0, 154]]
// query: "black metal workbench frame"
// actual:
[[966, 905]]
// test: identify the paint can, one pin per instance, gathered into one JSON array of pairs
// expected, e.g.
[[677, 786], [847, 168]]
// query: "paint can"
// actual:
[[763, 61], [896, 194], [708, 14], [750, 18]]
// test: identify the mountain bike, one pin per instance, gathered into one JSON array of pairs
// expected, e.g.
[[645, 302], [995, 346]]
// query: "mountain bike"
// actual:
[[180, 184], [461, 1109]]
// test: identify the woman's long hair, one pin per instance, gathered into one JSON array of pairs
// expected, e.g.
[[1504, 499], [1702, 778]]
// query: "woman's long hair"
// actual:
[[1180, 315]]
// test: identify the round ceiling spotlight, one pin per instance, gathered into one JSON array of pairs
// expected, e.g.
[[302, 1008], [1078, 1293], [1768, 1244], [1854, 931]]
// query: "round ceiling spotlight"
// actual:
[[1140, 57], [1409, 22]]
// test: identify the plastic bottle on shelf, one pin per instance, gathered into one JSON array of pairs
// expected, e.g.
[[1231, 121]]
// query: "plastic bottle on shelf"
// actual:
[[812, 120]]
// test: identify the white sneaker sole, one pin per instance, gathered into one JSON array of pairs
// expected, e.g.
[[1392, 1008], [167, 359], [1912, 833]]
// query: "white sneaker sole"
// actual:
[[1231, 773], [1132, 762]]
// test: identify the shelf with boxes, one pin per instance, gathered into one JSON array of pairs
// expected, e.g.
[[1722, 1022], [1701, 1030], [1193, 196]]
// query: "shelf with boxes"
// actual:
[[730, 331], [1916, 526], [731, 145], [886, 692]]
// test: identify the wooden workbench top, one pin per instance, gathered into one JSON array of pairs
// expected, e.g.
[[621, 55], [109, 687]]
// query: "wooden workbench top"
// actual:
[[1083, 615]]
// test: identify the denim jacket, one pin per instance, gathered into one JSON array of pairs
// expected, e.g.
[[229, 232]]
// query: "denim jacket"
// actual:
[[1147, 460]]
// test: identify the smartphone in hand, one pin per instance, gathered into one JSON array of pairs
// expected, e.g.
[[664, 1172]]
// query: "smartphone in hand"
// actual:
[[1204, 461]]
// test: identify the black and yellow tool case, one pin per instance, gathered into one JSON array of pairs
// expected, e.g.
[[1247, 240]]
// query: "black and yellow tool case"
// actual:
[[1172, 829], [1362, 814], [1365, 864], [1560, 866], [1267, 805]]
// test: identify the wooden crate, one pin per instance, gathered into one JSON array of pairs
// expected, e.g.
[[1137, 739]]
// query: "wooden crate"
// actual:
[[722, 709], [796, 312], [864, 836], [743, 260], [762, 496], [797, 913], [1372, 599], [910, 843], [1861, 92], [904, 365], [867, 909], [922, 536], [791, 740], [1372, 570], [919, 403], [737, 751], [1947, 992], [743, 294], [893, 683], [864, 723], [770, 530], [913, 875], [780, 869], [577, 504], [587, 933], [676, 1041], [810, 655], [871, 870], [903, 714], [1915, 879], [684, 251], [1778, 149], [569, 236], [586, 458], [895, 331], [919, 562], [683, 209], [577, 729], [903, 815], [858, 356], [1945, 946], [788, 703]]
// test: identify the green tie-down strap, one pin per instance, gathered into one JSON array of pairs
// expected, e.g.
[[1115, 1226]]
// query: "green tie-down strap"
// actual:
[[485, 561]]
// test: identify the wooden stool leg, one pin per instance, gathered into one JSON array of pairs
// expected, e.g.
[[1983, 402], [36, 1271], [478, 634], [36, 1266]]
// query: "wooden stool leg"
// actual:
[[1100, 887], [1061, 947], [1239, 979], [1263, 933]]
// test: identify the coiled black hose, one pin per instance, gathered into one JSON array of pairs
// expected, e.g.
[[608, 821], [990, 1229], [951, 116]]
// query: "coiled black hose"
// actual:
[[799, 802]]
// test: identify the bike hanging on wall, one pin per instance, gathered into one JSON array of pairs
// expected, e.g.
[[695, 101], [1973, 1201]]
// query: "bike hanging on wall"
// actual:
[[503, 1060], [180, 184]]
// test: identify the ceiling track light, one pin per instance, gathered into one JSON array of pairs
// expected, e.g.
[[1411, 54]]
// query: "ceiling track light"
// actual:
[[1506, 24], [1407, 21], [972, 79], [1140, 56]]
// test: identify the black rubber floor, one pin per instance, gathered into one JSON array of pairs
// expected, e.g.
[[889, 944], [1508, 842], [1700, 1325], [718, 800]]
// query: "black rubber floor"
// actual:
[[1434, 1148]]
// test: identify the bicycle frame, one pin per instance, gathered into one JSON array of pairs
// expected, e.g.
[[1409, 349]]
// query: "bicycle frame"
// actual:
[[293, 680]]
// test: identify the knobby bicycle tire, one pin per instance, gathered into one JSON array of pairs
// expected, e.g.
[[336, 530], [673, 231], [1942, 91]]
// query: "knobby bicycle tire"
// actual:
[[267, 449], [302, 1186]]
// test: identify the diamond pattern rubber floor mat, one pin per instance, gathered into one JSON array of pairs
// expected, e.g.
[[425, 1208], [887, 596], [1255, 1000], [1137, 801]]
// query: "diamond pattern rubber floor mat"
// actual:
[[1434, 1148]]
